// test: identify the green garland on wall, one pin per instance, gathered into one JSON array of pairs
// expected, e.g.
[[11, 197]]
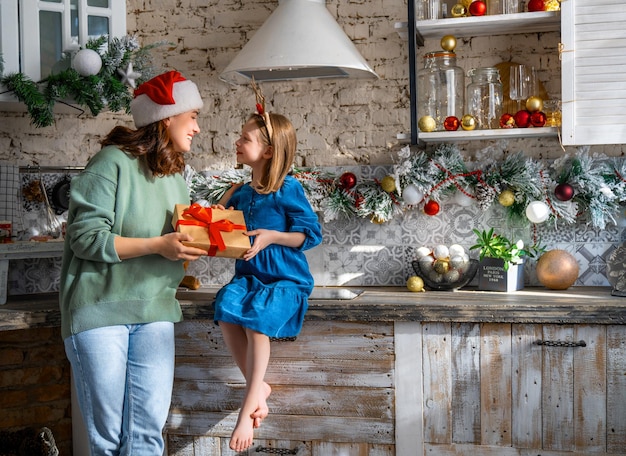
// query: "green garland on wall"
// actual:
[[569, 188], [108, 89]]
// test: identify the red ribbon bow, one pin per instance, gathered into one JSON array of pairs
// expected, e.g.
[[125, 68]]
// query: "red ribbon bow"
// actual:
[[203, 216]]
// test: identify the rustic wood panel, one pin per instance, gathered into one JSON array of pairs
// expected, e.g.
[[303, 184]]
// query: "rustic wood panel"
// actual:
[[495, 384], [363, 402], [409, 371], [287, 427], [473, 450], [465, 382], [334, 383], [590, 389], [436, 355], [558, 390], [351, 449], [616, 389], [526, 357]]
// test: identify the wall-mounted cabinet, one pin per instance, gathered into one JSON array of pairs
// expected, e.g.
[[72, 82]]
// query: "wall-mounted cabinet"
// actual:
[[36, 36], [593, 72]]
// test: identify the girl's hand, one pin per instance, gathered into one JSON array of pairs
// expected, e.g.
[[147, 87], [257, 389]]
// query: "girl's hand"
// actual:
[[262, 238]]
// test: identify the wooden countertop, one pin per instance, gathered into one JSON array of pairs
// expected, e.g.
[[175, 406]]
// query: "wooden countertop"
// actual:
[[589, 305]]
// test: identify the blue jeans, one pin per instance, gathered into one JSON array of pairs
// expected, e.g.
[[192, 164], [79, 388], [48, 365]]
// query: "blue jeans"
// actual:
[[124, 377]]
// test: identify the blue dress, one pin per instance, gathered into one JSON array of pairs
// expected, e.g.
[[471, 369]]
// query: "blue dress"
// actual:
[[270, 292]]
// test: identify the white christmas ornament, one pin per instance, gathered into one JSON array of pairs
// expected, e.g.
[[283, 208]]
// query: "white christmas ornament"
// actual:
[[411, 195], [87, 62], [462, 199], [537, 211], [129, 76]]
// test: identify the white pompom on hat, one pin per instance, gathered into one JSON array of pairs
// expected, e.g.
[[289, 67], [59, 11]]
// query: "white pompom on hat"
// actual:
[[163, 96]]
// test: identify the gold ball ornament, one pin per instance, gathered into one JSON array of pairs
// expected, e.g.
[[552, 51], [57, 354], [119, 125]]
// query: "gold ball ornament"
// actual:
[[458, 10], [506, 198], [441, 266], [415, 283], [468, 122], [466, 3], [388, 184], [552, 5], [448, 43], [427, 124], [557, 269], [534, 104]]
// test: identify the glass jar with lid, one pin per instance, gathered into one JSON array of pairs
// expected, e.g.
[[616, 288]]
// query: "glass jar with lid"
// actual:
[[484, 97], [440, 89]]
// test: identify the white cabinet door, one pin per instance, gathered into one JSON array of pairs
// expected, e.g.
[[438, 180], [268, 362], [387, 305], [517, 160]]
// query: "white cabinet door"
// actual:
[[9, 33], [49, 29], [593, 72]]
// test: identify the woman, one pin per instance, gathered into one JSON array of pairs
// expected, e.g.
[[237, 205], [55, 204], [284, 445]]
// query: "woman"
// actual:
[[121, 267]]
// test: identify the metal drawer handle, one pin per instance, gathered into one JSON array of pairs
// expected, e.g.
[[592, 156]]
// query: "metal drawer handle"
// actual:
[[261, 449], [561, 343]]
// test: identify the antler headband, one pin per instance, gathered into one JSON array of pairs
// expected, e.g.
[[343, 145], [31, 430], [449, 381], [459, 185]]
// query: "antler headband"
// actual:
[[260, 109]]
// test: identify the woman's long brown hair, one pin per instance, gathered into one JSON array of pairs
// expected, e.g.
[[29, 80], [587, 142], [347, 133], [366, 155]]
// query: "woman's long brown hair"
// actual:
[[150, 143]]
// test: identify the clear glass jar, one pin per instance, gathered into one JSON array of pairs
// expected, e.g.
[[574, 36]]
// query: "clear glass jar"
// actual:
[[484, 97], [440, 88]]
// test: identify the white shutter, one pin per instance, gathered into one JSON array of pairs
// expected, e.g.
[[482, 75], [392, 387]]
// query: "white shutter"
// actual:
[[593, 71]]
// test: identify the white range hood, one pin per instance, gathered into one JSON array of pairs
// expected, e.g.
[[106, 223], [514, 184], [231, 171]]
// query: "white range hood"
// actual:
[[300, 40]]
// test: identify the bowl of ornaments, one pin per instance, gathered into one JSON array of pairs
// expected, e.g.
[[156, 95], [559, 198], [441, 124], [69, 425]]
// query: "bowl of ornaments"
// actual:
[[445, 268]]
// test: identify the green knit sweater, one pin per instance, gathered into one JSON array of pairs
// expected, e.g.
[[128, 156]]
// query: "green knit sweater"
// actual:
[[117, 195]]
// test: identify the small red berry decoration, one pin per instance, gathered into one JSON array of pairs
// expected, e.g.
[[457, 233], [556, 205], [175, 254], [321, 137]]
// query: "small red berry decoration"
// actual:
[[451, 123], [522, 118], [347, 181], [431, 208], [478, 8], [538, 119], [564, 192], [507, 121], [536, 5], [259, 109]]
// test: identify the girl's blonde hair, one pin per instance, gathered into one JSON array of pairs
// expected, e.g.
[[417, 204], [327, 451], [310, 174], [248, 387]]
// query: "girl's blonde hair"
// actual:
[[283, 143]]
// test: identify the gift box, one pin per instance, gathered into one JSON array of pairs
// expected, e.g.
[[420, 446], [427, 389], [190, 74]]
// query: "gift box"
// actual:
[[219, 232]]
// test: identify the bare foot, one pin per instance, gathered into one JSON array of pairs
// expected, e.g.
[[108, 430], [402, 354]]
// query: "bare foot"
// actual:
[[262, 410], [243, 434]]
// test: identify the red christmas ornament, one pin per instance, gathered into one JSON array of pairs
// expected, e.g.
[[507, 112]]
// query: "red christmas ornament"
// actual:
[[507, 121], [536, 5], [431, 208], [564, 192], [538, 119], [451, 123], [522, 118], [347, 180], [478, 8]]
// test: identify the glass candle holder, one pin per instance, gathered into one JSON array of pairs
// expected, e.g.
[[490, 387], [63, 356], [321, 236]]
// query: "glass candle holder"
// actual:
[[552, 109]]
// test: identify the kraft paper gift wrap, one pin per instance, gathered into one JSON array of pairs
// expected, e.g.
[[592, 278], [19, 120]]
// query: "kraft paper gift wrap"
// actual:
[[219, 232]]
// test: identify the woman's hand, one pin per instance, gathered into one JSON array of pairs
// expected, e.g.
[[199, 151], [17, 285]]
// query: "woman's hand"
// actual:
[[169, 246]]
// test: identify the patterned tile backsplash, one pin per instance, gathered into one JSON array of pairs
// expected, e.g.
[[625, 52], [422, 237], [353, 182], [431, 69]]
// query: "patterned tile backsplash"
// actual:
[[357, 252]]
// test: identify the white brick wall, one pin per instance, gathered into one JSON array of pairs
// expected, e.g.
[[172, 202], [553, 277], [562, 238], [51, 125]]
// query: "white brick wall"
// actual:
[[339, 122]]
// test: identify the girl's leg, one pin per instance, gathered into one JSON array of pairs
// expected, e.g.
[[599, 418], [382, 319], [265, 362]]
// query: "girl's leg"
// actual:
[[98, 358], [236, 340], [257, 359]]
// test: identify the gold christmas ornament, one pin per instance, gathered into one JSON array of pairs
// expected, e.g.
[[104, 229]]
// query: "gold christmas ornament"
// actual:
[[376, 220], [388, 184], [426, 124], [506, 198], [557, 269], [468, 122], [466, 3], [415, 283], [534, 104], [458, 10], [448, 43]]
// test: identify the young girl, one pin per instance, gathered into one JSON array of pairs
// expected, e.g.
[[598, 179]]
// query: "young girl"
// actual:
[[268, 295]]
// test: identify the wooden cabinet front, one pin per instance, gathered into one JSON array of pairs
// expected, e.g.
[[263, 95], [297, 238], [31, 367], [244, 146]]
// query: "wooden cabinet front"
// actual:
[[491, 389]]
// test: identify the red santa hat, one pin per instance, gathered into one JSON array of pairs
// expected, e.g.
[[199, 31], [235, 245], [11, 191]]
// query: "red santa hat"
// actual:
[[163, 96]]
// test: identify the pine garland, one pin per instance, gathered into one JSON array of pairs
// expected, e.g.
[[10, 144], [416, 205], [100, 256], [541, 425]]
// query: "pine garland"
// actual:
[[104, 90], [599, 183]]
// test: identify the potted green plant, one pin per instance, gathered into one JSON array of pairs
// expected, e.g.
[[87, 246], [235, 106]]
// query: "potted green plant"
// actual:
[[501, 266]]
